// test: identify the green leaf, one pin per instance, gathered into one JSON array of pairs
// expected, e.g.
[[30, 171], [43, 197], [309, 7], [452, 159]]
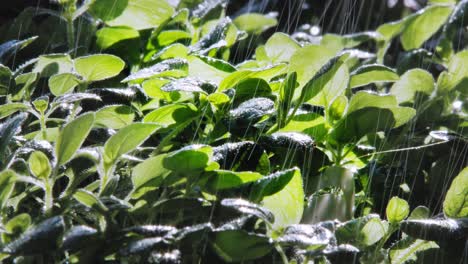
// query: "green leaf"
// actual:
[[280, 47], [311, 124], [225, 179], [238, 245], [424, 25], [216, 38], [397, 210], [18, 224], [308, 60], [170, 115], [109, 36], [337, 108], [420, 212], [362, 232], [406, 250], [148, 175], [11, 108], [62, 83], [98, 67], [286, 95], [370, 113], [188, 159], [456, 200], [39, 165], [90, 200], [40, 239], [7, 130], [167, 68], [271, 184], [48, 65], [456, 74], [329, 82], [132, 13], [126, 140], [114, 116], [7, 184], [373, 73], [411, 82], [246, 207], [202, 69], [72, 136], [5, 79], [287, 205], [192, 85], [265, 73], [254, 23], [12, 46], [168, 37]]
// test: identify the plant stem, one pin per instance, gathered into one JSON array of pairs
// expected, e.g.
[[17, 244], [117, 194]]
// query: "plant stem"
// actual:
[[48, 197], [43, 126], [284, 258], [70, 34]]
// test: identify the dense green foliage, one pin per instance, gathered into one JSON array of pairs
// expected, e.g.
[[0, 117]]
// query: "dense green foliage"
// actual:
[[130, 135]]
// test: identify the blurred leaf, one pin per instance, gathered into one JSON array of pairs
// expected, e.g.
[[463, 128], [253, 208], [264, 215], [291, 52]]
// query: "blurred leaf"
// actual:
[[79, 237], [406, 250], [411, 82], [397, 210], [109, 36], [39, 239], [280, 47], [238, 245], [254, 23], [132, 13], [424, 25]]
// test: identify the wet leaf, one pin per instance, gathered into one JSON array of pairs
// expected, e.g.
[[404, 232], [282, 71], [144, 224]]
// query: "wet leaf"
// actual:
[[397, 210], [456, 200], [170, 68], [125, 12], [406, 250], [310, 237], [238, 245], [39, 239], [79, 237], [373, 73], [249, 208], [189, 158]]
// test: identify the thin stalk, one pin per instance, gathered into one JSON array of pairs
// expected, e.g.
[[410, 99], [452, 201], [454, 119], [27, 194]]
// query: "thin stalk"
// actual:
[[48, 197], [70, 34], [42, 123], [280, 250]]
